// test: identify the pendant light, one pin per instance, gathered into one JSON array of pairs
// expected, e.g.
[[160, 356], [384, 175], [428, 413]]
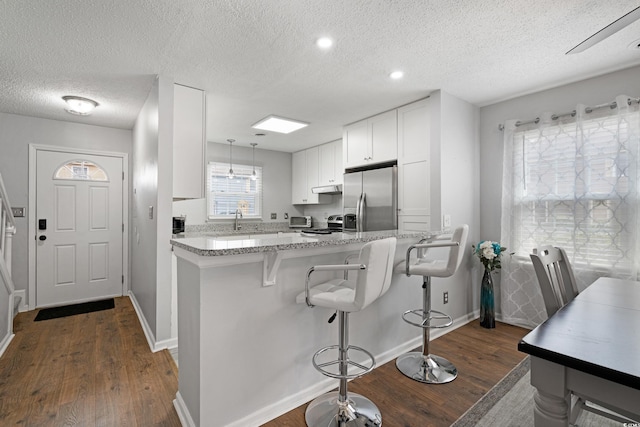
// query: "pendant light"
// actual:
[[230, 175], [254, 176]]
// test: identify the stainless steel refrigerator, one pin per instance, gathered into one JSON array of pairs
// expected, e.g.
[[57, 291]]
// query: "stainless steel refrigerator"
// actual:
[[370, 200]]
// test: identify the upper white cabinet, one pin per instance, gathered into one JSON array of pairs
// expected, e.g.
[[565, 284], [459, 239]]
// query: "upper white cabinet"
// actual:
[[414, 195], [331, 168], [189, 143], [305, 175], [369, 141]]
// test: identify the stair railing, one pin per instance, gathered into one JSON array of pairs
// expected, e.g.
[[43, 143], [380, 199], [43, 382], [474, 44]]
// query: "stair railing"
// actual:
[[7, 228], [7, 293]]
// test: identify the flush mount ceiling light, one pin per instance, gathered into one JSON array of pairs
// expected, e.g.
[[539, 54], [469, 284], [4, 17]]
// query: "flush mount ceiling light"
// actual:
[[324, 42], [80, 106], [279, 124], [396, 75]]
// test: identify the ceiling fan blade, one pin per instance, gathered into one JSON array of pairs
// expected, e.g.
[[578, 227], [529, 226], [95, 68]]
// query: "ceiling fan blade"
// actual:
[[607, 31]]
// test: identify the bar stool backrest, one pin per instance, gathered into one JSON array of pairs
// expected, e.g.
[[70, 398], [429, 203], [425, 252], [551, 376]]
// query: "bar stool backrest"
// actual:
[[555, 277], [372, 283], [456, 253]]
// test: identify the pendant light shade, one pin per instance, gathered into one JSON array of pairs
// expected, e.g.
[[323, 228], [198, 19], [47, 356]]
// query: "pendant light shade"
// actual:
[[254, 176], [230, 175]]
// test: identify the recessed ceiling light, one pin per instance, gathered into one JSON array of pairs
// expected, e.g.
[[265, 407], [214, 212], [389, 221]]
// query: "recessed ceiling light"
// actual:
[[279, 124], [397, 75], [79, 106], [324, 42]]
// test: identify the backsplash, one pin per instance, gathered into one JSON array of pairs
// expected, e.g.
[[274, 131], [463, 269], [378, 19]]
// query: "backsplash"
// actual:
[[247, 226]]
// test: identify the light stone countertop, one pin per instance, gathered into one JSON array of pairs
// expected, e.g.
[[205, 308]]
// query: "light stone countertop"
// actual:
[[213, 244]]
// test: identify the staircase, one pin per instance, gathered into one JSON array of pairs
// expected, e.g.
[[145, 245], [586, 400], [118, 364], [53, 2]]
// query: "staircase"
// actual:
[[8, 306]]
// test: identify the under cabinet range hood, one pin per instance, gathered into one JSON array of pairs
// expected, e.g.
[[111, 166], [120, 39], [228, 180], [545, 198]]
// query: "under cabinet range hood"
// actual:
[[327, 189]]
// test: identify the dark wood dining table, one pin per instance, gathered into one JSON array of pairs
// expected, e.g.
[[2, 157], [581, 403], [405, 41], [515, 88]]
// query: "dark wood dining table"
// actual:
[[591, 348]]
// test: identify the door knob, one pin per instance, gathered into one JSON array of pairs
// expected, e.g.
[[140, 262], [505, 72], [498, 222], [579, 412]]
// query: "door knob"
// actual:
[[43, 238]]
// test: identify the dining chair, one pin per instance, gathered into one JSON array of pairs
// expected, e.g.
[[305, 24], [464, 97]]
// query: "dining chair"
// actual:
[[558, 286], [555, 276]]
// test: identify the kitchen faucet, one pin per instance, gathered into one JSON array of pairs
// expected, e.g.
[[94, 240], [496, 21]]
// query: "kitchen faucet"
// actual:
[[236, 226]]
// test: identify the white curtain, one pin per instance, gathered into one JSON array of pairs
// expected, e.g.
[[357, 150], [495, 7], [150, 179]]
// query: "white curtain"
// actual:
[[571, 182]]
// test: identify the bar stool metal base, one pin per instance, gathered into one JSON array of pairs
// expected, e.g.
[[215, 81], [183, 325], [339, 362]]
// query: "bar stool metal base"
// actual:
[[325, 411], [430, 369]]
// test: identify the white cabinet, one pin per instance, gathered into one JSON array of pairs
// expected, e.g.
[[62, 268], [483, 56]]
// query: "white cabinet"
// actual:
[[370, 141], [414, 169], [305, 175], [331, 168], [189, 143]]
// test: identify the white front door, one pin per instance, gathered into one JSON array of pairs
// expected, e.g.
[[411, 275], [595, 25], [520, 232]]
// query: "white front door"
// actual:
[[79, 227]]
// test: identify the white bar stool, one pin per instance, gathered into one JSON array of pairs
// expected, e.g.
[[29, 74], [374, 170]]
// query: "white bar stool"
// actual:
[[423, 366], [374, 270]]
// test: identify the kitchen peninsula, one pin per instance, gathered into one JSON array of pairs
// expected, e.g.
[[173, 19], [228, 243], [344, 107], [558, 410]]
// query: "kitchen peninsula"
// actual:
[[245, 346]]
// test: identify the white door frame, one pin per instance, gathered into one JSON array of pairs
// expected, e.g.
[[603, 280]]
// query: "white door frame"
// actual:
[[31, 226]]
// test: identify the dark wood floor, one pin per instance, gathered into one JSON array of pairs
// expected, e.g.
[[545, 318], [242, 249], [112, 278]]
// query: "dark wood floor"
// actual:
[[482, 356], [94, 369]]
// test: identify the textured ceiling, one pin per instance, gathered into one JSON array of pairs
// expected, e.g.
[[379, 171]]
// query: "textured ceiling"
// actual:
[[257, 57]]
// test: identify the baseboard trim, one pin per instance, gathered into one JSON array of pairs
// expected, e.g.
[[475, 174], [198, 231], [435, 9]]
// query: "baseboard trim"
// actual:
[[148, 333], [183, 412], [285, 405], [5, 343], [23, 301]]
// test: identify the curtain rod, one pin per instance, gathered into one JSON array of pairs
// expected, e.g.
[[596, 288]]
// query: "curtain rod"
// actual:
[[587, 110]]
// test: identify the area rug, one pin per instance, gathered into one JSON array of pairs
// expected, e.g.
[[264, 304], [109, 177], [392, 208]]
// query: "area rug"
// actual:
[[70, 310], [510, 404]]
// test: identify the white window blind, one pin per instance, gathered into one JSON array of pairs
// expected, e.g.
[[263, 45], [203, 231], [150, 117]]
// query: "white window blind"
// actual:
[[576, 191], [226, 195]]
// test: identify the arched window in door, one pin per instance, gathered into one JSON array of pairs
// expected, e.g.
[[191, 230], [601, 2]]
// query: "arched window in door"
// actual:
[[81, 169]]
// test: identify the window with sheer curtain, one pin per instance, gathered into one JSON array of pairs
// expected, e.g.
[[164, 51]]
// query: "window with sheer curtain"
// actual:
[[227, 195], [570, 182]]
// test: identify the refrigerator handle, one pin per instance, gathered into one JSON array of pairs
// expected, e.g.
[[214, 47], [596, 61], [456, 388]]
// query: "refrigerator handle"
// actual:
[[363, 210], [358, 219]]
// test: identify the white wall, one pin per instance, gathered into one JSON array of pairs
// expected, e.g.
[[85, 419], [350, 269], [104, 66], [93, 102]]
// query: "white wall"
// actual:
[[562, 99], [276, 173], [150, 236], [16, 133], [458, 197]]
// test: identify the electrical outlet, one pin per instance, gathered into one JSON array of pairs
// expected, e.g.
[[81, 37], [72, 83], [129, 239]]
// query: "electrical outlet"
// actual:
[[446, 221], [274, 216], [445, 297]]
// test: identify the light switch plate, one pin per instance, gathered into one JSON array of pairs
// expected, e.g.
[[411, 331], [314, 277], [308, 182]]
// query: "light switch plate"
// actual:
[[18, 212], [150, 212]]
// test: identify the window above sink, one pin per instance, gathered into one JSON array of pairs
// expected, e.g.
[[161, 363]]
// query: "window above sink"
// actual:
[[227, 195]]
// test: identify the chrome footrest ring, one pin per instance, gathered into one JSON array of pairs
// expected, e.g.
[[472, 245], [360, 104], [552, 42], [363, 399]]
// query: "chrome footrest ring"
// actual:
[[363, 368], [426, 320]]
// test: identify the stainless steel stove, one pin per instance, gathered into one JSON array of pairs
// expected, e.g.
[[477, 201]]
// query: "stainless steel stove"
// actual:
[[334, 224]]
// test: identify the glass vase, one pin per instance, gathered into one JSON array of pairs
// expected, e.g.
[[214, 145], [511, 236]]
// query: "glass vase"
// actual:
[[487, 310]]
